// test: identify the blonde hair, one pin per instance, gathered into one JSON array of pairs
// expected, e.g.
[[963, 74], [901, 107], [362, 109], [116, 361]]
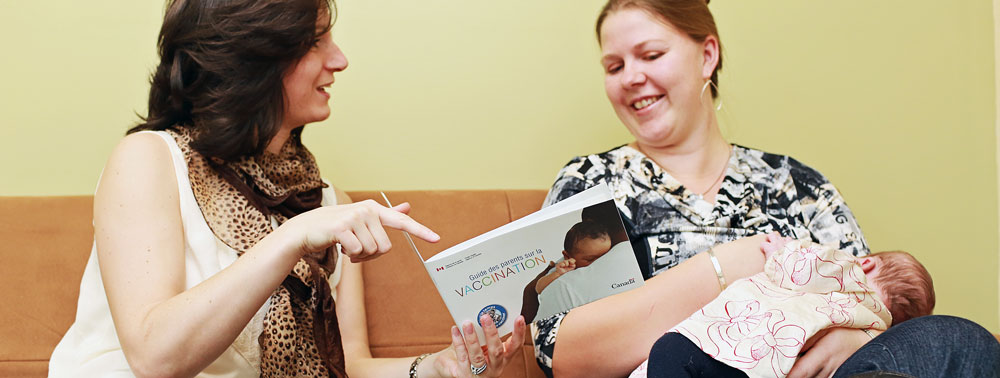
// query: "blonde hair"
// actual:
[[906, 284]]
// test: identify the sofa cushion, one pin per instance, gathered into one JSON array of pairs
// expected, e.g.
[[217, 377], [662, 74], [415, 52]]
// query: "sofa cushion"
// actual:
[[46, 242]]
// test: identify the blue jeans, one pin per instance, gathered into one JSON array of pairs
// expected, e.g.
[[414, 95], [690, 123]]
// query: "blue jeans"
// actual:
[[928, 346]]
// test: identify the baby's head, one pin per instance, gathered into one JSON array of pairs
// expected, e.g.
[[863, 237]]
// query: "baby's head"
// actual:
[[901, 282], [585, 242]]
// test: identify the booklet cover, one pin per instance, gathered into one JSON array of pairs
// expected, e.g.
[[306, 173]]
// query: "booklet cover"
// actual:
[[563, 256]]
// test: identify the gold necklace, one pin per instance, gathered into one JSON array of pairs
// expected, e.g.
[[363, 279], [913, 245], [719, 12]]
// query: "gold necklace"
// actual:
[[721, 174]]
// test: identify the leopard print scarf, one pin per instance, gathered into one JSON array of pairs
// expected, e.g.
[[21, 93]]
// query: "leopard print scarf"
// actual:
[[301, 336]]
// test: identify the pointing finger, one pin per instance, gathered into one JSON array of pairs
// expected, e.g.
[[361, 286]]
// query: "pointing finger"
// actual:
[[400, 221], [402, 208]]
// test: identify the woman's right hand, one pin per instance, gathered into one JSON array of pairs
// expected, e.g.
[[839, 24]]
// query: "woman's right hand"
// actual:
[[357, 227], [827, 350]]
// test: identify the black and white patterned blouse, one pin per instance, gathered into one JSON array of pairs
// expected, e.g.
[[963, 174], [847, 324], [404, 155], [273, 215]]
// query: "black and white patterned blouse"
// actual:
[[668, 224]]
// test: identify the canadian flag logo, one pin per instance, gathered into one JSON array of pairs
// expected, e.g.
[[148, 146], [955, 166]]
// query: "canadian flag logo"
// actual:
[[440, 268]]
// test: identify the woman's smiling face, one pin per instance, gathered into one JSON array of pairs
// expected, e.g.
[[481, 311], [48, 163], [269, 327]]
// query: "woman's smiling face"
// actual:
[[306, 84], [654, 76]]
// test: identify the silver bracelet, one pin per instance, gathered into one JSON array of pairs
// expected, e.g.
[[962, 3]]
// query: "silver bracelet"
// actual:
[[416, 361], [718, 269], [869, 333]]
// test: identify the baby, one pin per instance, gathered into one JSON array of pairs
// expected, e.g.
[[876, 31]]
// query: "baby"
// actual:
[[585, 242], [759, 325], [594, 250]]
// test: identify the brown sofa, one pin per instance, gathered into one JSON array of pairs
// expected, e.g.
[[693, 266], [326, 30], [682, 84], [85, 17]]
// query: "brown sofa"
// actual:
[[46, 242]]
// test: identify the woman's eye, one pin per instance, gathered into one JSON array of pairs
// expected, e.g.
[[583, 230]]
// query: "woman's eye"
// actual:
[[652, 56], [320, 39], [613, 68]]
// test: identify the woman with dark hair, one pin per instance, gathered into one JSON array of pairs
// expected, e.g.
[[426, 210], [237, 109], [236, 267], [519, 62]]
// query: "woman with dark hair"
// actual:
[[683, 189], [218, 249]]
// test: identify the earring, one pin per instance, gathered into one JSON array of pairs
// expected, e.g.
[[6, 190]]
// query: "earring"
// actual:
[[704, 87]]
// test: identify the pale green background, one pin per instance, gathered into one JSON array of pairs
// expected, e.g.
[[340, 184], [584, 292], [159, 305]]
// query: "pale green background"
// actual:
[[893, 100]]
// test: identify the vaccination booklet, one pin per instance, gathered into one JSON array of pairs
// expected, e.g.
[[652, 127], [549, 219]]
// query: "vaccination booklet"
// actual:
[[496, 273]]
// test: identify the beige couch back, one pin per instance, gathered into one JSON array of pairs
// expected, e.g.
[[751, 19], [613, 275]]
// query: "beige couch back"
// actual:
[[45, 242]]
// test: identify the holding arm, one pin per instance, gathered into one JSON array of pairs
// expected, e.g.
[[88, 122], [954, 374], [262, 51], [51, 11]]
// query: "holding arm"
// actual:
[[661, 303]]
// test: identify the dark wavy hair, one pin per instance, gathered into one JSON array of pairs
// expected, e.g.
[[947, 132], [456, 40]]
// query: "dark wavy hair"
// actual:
[[691, 17], [583, 230], [221, 69]]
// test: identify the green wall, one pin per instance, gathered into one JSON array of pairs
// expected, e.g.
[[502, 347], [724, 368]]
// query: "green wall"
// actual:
[[893, 100]]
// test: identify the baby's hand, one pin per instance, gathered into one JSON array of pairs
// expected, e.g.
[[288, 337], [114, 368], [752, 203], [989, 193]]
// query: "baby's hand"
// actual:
[[773, 243], [566, 266]]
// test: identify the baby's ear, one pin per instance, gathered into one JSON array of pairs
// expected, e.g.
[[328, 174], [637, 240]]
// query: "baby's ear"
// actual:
[[565, 255], [868, 263]]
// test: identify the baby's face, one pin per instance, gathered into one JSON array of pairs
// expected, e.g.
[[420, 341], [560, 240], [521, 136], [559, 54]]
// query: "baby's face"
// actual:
[[586, 251]]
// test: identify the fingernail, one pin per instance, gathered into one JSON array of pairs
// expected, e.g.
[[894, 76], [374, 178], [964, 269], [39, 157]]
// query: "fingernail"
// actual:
[[467, 326], [486, 320]]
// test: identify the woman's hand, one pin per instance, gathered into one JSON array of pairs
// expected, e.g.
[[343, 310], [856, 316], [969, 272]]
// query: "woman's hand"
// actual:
[[357, 227], [827, 350], [465, 351]]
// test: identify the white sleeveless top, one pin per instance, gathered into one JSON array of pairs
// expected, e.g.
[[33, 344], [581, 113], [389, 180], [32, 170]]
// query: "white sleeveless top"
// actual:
[[91, 348]]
